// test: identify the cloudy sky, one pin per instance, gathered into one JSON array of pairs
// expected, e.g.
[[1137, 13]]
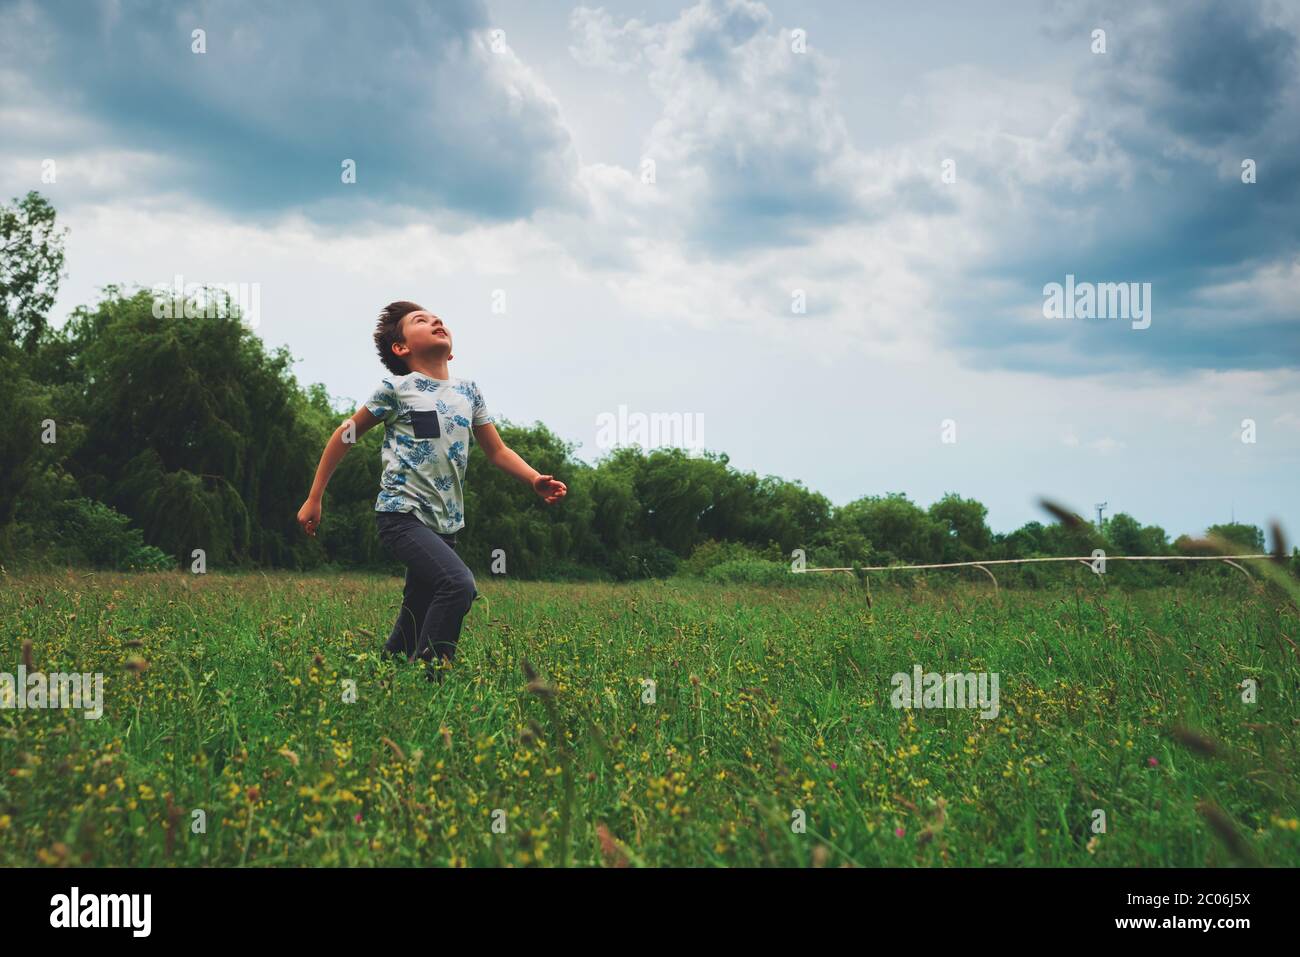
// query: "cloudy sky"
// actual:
[[824, 229]]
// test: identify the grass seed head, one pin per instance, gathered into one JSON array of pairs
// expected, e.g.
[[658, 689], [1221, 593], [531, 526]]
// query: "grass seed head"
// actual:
[[1062, 514], [1195, 741], [1223, 827], [1279, 543]]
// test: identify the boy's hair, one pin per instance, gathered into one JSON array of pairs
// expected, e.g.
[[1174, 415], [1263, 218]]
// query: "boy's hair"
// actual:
[[389, 331]]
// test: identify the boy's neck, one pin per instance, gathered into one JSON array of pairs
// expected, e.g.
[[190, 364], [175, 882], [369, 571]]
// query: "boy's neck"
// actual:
[[433, 368]]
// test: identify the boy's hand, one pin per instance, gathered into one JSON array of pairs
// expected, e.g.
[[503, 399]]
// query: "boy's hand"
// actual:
[[549, 488], [309, 516]]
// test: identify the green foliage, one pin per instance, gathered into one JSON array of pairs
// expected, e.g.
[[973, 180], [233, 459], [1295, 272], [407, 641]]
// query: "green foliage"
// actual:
[[1249, 537], [1128, 536], [79, 531], [504, 514], [712, 553], [31, 262], [751, 571], [645, 560], [899, 531], [967, 535], [192, 428], [31, 471]]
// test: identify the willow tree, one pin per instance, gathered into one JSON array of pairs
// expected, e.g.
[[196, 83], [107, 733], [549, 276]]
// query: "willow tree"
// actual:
[[192, 429]]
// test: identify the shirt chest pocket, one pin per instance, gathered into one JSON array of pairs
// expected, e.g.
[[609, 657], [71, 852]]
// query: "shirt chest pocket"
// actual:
[[425, 424]]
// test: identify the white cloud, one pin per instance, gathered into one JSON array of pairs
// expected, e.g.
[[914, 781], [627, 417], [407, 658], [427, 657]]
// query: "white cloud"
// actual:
[[1106, 445], [600, 43]]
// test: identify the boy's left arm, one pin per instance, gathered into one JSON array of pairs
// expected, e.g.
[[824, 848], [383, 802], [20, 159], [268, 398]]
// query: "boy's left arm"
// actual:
[[505, 458]]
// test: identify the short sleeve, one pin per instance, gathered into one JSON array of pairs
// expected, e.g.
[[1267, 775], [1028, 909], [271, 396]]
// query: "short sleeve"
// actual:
[[383, 402], [481, 414]]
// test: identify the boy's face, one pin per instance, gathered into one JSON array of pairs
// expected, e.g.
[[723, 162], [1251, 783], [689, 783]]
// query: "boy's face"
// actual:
[[425, 335]]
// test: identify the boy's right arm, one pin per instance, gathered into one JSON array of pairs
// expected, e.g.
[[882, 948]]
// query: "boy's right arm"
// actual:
[[361, 422]]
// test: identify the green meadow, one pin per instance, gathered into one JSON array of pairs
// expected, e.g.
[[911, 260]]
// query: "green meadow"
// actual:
[[248, 720]]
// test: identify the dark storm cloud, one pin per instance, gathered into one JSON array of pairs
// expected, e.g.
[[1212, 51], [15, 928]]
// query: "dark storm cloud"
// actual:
[[263, 120], [1210, 72], [1191, 92]]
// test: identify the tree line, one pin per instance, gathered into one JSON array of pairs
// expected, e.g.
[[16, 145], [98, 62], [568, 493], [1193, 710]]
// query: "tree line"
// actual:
[[137, 439]]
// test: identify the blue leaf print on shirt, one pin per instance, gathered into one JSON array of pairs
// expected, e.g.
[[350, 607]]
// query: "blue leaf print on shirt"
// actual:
[[426, 385], [422, 452], [403, 442], [417, 452], [383, 401], [442, 483], [453, 420], [456, 454], [467, 390]]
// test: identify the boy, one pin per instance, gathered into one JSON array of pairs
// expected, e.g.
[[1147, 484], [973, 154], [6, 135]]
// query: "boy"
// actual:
[[430, 421]]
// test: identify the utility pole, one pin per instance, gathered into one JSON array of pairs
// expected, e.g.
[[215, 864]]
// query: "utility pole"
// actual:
[[1100, 507]]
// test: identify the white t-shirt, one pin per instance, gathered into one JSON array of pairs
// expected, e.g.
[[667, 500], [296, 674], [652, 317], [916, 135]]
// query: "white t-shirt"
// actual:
[[427, 437]]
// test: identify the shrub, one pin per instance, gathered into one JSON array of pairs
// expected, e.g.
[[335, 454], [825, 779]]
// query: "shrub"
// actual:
[[81, 531], [644, 560], [752, 571], [712, 553]]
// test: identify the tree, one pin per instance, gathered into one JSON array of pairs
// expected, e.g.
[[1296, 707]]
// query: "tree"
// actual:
[[1131, 537], [898, 530], [31, 263], [1249, 537], [502, 513], [31, 257], [968, 535], [1028, 541], [193, 430]]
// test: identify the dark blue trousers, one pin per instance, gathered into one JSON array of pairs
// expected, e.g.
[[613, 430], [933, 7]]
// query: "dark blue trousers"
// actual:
[[439, 587]]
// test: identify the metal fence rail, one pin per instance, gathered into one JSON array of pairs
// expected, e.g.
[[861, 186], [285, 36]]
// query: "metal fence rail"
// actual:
[[1086, 560]]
